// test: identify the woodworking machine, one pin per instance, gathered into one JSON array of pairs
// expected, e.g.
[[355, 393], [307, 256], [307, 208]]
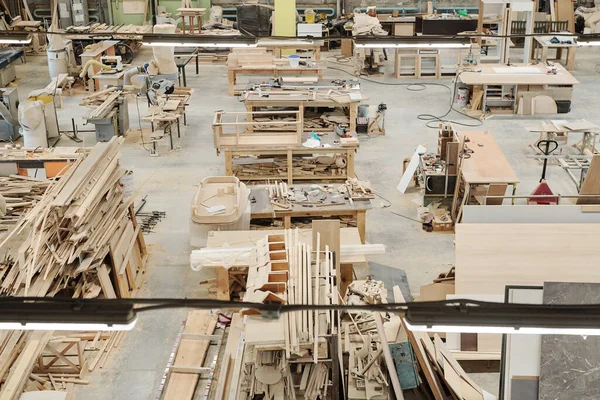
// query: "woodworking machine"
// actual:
[[10, 100], [114, 62]]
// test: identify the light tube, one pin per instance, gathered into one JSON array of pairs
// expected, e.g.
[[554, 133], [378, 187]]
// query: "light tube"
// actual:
[[65, 326], [502, 329], [589, 43], [224, 45], [7, 39], [448, 45], [284, 42]]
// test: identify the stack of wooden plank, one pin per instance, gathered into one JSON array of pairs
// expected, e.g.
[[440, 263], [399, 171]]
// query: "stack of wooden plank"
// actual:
[[81, 219], [44, 360], [20, 194]]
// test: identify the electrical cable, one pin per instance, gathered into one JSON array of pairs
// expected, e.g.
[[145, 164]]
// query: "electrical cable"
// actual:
[[140, 124], [430, 118]]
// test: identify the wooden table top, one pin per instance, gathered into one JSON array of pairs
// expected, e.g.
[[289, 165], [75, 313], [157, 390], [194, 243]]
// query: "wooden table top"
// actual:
[[517, 74], [348, 237], [487, 163], [544, 41]]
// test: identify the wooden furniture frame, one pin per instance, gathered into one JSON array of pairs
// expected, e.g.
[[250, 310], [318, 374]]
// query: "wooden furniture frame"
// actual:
[[420, 54], [106, 47], [254, 133], [348, 236], [312, 99], [289, 154], [191, 13], [275, 71]]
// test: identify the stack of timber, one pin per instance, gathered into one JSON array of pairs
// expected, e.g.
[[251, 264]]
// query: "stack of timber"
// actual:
[[293, 356], [81, 233], [20, 194], [277, 166], [34, 361]]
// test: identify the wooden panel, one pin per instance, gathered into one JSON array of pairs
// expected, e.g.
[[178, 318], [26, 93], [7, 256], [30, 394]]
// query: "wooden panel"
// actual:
[[521, 214], [490, 256], [591, 184], [191, 353], [330, 236], [487, 163]]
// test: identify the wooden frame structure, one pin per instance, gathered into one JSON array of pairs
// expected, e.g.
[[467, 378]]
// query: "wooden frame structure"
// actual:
[[253, 133]]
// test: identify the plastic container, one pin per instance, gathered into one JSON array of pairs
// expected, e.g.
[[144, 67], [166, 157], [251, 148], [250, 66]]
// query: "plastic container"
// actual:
[[563, 106], [462, 96], [294, 60], [58, 62], [226, 192]]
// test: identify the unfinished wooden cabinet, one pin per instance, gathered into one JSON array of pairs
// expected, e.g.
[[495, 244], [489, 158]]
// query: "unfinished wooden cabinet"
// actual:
[[291, 164], [257, 128]]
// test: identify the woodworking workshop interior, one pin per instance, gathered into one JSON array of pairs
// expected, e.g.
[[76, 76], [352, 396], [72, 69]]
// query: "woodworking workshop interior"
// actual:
[[299, 200]]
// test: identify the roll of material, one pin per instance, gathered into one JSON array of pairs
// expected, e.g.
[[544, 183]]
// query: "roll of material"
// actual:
[[33, 123]]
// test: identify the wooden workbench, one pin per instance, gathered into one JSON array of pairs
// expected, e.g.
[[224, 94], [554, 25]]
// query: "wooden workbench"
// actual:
[[485, 171], [287, 160], [544, 43], [263, 208], [53, 160], [348, 236], [277, 45], [303, 100], [510, 89], [276, 70]]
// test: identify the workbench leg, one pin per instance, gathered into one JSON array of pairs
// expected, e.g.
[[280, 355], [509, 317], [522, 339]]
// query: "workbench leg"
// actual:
[[197, 63], [228, 163], [231, 77], [222, 283], [184, 77], [290, 164], [559, 54], [350, 164], [353, 111], [571, 59], [347, 274], [514, 192], [287, 222], [544, 54], [361, 224], [397, 63]]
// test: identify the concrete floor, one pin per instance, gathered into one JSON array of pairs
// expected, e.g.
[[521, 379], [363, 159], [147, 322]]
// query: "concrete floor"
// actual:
[[169, 181]]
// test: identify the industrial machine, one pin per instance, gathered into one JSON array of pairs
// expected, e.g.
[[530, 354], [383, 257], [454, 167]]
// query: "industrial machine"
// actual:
[[112, 121], [114, 62], [9, 124]]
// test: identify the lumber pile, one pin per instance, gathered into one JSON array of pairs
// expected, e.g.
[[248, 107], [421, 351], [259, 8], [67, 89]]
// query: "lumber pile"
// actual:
[[20, 194], [80, 220], [290, 356], [321, 166], [34, 361]]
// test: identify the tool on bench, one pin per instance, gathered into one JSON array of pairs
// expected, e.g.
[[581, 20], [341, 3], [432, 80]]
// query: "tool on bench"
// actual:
[[543, 189]]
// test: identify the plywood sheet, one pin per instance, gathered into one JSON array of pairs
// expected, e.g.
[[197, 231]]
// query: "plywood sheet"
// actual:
[[491, 256], [509, 214], [487, 163], [591, 184]]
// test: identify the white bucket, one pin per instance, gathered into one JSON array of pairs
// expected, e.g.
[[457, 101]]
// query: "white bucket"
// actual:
[[58, 62], [127, 182], [462, 96], [294, 60]]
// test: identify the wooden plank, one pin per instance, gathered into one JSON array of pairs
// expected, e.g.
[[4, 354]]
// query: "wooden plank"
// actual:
[[591, 184], [487, 163], [191, 353], [389, 361], [491, 256], [329, 231], [107, 287]]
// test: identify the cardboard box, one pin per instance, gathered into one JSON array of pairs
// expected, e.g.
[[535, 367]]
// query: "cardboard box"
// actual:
[[347, 45]]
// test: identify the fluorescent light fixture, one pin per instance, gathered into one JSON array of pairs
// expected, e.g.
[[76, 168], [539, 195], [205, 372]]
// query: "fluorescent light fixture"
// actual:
[[588, 40], [467, 316], [18, 313], [502, 329], [225, 42], [57, 326], [284, 42], [412, 42], [15, 38]]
